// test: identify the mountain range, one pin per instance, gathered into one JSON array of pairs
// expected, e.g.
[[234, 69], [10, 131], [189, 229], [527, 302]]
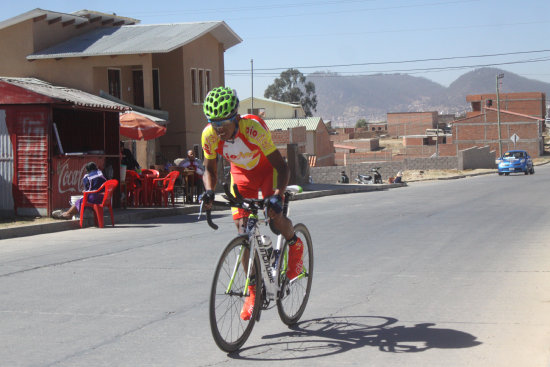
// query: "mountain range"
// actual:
[[346, 99]]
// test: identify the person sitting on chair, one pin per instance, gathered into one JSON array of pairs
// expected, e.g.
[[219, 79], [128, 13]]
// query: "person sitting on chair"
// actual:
[[91, 181], [192, 163], [343, 178]]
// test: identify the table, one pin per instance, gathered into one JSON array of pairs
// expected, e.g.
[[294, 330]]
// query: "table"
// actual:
[[188, 180], [147, 179]]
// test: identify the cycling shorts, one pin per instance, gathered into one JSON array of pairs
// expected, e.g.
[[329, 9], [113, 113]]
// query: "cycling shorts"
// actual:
[[250, 183]]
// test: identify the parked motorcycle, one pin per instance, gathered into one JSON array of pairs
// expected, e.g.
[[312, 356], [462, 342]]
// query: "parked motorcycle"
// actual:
[[375, 177]]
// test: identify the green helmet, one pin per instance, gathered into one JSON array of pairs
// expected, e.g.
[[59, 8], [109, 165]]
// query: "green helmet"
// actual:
[[220, 103]]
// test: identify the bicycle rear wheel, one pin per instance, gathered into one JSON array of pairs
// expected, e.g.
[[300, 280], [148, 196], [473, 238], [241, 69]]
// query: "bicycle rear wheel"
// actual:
[[294, 296], [227, 299]]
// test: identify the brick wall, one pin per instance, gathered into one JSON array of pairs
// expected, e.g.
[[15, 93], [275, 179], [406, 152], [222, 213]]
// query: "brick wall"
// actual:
[[527, 103], [411, 123], [475, 132]]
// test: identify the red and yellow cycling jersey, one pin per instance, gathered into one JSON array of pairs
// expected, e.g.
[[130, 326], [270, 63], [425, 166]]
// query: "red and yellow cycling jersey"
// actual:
[[248, 150], [251, 171]]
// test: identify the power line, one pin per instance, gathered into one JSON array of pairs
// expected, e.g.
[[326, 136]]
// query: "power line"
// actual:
[[411, 71], [391, 62]]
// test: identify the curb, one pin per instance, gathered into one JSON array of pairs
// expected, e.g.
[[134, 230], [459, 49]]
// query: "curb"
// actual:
[[132, 215]]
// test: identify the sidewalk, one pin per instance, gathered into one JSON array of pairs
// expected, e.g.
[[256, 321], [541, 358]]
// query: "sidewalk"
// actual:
[[133, 215]]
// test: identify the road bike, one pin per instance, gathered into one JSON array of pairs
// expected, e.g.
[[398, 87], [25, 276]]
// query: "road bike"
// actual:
[[233, 274]]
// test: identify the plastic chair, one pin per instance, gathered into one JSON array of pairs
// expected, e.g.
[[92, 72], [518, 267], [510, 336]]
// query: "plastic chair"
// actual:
[[134, 188], [109, 187], [164, 187]]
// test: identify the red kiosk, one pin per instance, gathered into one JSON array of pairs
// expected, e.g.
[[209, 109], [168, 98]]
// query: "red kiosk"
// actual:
[[53, 132]]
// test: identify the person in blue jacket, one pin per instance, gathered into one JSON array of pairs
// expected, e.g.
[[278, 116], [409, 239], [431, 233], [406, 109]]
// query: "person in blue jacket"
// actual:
[[91, 181]]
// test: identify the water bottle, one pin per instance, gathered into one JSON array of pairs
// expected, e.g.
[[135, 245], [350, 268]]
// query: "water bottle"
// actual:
[[266, 245], [265, 250]]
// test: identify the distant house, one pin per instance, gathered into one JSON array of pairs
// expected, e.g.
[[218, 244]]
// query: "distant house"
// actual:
[[167, 67], [271, 109], [411, 123], [317, 139], [521, 114]]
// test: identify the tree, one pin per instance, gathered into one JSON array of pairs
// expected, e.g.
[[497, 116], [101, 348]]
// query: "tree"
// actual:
[[292, 87], [361, 123]]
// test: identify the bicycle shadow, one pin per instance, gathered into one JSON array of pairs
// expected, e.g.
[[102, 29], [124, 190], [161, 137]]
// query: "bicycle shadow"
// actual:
[[334, 335]]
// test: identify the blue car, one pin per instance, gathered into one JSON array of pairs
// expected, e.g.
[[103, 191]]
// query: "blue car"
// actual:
[[515, 161]]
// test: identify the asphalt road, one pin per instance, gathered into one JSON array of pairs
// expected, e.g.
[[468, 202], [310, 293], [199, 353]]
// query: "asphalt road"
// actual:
[[441, 273]]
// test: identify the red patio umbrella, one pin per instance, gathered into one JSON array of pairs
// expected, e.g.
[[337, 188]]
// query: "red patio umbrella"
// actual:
[[137, 126]]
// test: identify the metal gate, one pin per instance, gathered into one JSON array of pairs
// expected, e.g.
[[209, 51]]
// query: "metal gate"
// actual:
[[6, 169]]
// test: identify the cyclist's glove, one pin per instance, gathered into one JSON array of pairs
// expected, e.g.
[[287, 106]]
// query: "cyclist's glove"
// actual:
[[275, 202], [207, 197]]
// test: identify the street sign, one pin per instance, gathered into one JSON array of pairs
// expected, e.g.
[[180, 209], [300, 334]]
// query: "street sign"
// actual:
[[514, 138]]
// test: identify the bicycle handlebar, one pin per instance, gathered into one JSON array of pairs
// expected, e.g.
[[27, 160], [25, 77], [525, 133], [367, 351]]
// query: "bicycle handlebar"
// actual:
[[238, 201], [234, 201]]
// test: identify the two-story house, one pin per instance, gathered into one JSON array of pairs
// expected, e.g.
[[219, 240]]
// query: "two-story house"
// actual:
[[167, 67]]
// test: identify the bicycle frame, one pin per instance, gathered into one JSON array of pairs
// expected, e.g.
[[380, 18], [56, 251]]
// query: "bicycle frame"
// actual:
[[269, 264], [269, 272]]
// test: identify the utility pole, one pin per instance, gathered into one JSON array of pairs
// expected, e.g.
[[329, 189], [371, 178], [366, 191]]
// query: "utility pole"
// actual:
[[437, 140], [252, 82], [499, 76]]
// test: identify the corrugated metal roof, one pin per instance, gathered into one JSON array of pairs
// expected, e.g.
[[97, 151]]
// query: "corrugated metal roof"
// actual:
[[74, 96], [310, 123], [133, 39], [79, 17]]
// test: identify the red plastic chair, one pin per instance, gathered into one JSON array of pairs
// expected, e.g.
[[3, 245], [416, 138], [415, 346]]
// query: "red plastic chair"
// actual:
[[134, 188], [109, 187], [164, 187]]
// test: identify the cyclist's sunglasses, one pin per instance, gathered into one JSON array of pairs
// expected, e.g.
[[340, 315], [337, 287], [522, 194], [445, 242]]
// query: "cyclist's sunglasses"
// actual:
[[220, 123]]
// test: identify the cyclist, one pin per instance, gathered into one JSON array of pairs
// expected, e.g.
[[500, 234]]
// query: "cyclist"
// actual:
[[256, 165]]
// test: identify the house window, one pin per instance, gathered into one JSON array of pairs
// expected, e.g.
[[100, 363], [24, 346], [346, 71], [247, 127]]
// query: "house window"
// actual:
[[156, 89], [139, 96], [201, 85], [113, 76], [208, 80], [194, 92], [257, 111]]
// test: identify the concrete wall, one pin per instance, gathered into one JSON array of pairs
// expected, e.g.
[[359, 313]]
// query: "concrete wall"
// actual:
[[468, 159], [477, 158]]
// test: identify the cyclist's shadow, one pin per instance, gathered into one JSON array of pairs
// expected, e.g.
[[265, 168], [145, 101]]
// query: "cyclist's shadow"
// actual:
[[332, 335]]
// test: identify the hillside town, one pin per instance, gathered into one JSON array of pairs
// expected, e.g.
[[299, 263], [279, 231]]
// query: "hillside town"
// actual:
[[66, 79]]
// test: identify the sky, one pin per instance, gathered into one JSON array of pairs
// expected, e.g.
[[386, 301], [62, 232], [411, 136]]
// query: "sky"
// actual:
[[436, 39]]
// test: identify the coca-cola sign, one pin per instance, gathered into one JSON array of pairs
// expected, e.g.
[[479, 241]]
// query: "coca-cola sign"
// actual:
[[70, 178]]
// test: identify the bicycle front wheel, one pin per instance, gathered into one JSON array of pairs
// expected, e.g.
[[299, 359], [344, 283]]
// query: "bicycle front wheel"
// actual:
[[227, 298], [294, 295]]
